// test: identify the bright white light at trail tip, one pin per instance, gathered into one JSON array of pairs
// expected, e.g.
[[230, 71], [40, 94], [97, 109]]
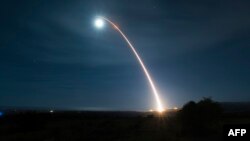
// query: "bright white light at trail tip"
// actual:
[[99, 23]]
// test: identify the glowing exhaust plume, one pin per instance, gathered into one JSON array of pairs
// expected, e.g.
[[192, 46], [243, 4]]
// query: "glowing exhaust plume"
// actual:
[[159, 104]]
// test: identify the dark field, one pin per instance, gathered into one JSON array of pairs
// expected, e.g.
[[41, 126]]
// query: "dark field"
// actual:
[[110, 126]]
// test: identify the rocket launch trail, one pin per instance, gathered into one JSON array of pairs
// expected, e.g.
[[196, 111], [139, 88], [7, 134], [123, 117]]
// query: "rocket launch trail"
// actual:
[[156, 95]]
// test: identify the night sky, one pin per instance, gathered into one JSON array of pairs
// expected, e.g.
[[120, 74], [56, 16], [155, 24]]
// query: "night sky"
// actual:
[[51, 55]]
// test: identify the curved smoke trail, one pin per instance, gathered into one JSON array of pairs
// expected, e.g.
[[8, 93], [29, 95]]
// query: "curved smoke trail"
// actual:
[[159, 104]]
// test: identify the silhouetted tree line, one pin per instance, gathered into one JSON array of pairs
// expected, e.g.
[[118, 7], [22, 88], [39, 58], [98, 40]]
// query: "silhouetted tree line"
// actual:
[[202, 117]]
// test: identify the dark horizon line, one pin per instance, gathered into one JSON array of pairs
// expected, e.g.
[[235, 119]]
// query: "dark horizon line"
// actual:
[[47, 108]]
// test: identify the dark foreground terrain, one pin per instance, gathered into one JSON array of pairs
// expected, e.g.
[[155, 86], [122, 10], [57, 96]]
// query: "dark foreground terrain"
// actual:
[[110, 126], [196, 121]]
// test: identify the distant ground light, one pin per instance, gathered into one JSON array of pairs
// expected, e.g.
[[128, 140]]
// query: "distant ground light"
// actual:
[[1, 114], [175, 108], [51, 111]]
